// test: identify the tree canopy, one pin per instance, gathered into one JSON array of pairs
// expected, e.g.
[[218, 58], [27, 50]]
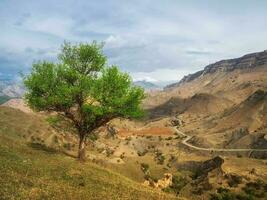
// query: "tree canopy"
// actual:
[[83, 88]]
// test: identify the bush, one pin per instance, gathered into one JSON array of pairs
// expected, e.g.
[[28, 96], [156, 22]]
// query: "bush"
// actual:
[[67, 146], [53, 120], [159, 157], [109, 152], [234, 180], [55, 139], [122, 155], [93, 137], [149, 137], [178, 183], [145, 168], [169, 138], [223, 196], [142, 153], [257, 189], [196, 173]]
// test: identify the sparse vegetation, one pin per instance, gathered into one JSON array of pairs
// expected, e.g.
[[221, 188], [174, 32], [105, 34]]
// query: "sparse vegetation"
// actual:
[[178, 183], [145, 168], [142, 153], [159, 157], [67, 146], [233, 180], [252, 191], [34, 173]]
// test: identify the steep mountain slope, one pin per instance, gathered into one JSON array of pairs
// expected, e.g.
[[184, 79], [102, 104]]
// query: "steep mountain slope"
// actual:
[[233, 79], [241, 126], [223, 105], [199, 104], [11, 88]]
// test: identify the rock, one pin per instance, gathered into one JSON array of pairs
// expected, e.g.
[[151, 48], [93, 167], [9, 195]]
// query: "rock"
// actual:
[[252, 171], [176, 121], [246, 62], [165, 182], [212, 164], [146, 183]]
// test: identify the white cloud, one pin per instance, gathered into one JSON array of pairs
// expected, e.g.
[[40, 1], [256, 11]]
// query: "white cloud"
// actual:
[[115, 42], [162, 40], [160, 75], [54, 26], [145, 78]]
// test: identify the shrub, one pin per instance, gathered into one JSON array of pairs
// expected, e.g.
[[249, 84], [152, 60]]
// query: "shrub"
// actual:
[[93, 137], [109, 152], [67, 146], [55, 139], [178, 183], [161, 159], [169, 138], [257, 189], [196, 173], [142, 153], [145, 168], [223, 196], [122, 155], [53, 120], [234, 180]]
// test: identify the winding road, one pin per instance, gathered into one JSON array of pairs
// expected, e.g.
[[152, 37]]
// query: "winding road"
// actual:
[[188, 137]]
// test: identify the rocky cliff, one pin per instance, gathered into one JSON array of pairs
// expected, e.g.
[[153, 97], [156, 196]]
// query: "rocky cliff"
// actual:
[[245, 62]]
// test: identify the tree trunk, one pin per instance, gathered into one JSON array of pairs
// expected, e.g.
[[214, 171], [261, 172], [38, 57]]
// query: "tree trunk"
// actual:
[[81, 151]]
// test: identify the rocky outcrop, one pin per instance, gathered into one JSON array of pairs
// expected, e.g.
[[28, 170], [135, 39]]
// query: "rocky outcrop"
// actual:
[[257, 96], [245, 62], [162, 183], [209, 165]]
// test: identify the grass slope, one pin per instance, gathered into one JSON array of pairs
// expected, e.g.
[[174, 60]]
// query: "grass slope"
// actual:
[[36, 172]]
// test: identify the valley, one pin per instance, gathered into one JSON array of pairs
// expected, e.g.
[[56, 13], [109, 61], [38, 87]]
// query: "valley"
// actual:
[[202, 138]]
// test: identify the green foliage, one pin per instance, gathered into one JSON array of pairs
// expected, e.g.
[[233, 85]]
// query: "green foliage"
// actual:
[[67, 146], [223, 196], [234, 180], [145, 169], [178, 183], [252, 190], [159, 157], [196, 173], [53, 120], [142, 153], [93, 136], [257, 189], [82, 80]]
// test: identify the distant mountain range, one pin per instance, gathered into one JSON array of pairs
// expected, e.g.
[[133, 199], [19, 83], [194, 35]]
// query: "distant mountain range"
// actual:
[[147, 85], [10, 88], [246, 62]]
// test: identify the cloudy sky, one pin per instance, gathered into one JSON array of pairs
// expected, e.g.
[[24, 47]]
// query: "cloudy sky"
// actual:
[[151, 39]]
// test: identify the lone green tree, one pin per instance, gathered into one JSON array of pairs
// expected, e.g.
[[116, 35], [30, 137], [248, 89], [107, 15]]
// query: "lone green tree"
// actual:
[[83, 88]]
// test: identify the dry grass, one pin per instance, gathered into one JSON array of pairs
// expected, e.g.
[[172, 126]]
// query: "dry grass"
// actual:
[[37, 172]]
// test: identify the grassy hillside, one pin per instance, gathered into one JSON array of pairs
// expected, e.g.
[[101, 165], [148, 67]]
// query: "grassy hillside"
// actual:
[[32, 171]]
